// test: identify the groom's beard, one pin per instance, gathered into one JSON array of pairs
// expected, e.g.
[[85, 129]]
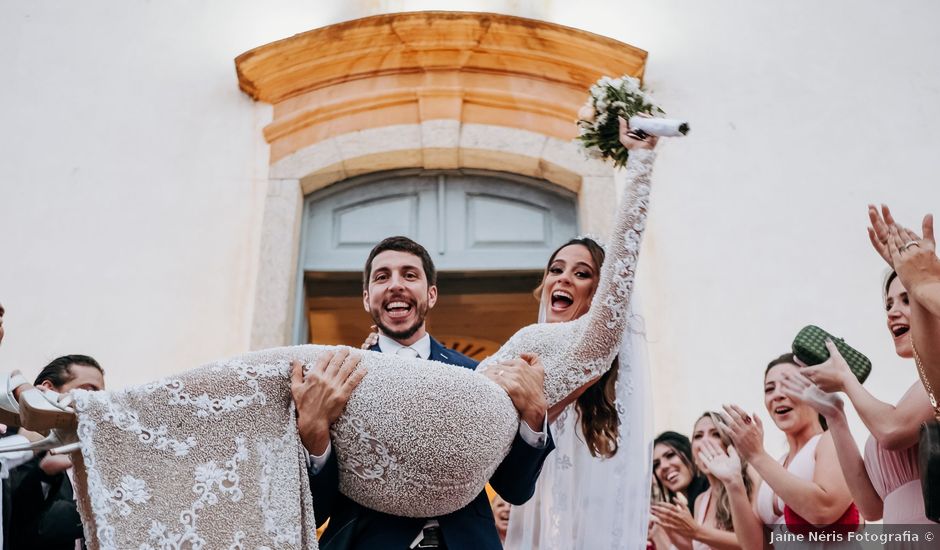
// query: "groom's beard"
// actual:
[[402, 333]]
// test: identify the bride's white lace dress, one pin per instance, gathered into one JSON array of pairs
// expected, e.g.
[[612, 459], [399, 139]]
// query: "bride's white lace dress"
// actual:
[[587, 502], [211, 458]]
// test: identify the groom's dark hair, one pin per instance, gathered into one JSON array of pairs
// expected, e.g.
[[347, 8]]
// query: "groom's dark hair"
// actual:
[[401, 244]]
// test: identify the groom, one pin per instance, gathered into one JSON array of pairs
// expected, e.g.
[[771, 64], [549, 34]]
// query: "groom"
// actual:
[[399, 289]]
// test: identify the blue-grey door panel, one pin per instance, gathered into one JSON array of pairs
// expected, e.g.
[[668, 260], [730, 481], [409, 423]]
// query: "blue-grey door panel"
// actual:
[[467, 222]]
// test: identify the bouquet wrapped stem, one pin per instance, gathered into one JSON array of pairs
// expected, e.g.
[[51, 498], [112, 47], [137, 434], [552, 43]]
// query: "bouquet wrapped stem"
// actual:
[[662, 127], [599, 130]]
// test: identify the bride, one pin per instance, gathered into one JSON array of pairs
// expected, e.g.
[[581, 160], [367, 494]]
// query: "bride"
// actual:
[[603, 444]]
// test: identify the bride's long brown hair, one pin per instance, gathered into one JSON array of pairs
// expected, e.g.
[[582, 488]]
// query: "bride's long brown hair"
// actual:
[[596, 407]]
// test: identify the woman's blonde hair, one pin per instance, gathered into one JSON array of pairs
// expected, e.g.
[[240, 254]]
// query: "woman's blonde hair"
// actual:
[[719, 493]]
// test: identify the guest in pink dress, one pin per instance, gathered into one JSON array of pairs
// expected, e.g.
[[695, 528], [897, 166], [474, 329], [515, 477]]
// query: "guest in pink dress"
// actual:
[[712, 526], [914, 258], [886, 482]]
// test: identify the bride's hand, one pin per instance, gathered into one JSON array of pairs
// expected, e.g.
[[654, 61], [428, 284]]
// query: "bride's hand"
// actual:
[[635, 140]]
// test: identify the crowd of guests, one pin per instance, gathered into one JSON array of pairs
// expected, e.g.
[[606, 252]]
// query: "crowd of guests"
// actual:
[[721, 489]]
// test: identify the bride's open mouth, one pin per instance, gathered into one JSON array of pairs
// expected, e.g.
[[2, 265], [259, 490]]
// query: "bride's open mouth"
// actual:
[[561, 300]]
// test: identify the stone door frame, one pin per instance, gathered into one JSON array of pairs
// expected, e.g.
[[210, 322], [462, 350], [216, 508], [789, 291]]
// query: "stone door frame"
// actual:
[[426, 90]]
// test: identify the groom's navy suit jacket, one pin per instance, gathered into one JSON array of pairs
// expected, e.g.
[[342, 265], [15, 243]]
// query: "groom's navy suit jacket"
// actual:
[[353, 526]]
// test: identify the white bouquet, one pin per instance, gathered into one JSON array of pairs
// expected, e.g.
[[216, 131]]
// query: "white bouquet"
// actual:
[[599, 130]]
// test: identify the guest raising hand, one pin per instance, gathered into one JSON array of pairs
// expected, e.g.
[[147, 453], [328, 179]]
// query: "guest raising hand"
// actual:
[[885, 484], [712, 525], [806, 484], [738, 480], [914, 259]]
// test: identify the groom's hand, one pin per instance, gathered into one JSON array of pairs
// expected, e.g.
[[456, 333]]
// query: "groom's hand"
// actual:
[[524, 381], [321, 394]]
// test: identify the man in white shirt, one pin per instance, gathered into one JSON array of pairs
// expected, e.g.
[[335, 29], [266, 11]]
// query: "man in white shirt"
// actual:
[[399, 289]]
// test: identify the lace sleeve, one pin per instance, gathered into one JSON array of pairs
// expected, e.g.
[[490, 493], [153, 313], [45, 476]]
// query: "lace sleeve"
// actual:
[[608, 315], [578, 351]]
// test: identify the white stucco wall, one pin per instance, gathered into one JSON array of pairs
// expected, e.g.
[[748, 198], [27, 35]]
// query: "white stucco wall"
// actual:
[[803, 113], [133, 176]]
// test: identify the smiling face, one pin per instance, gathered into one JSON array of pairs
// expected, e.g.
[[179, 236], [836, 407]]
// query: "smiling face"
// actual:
[[669, 468], [898, 309], [569, 284], [501, 515], [398, 296], [704, 429], [789, 416]]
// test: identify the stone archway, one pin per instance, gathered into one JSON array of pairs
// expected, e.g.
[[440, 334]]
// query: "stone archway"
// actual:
[[431, 90]]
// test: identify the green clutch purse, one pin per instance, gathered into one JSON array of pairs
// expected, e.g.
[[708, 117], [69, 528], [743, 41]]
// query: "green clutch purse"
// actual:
[[809, 346]]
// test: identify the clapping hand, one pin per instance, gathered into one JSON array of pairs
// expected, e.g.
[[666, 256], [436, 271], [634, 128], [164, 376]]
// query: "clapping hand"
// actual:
[[801, 389], [913, 257], [878, 232], [745, 430], [657, 535], [831, 375], [902, 249], [675, 517], [725, 465]]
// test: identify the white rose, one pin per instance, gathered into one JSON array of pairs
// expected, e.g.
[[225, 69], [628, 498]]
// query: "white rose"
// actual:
[[594, 153], [586, 112]]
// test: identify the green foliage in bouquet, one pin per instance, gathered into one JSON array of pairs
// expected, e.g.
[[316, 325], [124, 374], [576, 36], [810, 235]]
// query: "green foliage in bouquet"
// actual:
[[599, 130]]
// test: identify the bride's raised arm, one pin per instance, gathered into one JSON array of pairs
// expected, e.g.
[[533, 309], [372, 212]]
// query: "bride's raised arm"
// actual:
[[579, 351], [608, 315]]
